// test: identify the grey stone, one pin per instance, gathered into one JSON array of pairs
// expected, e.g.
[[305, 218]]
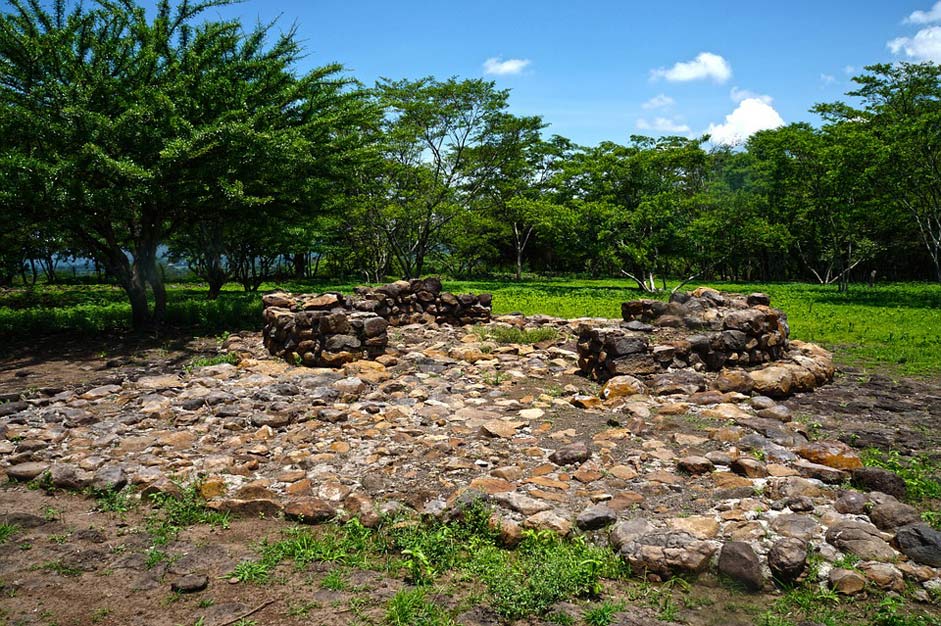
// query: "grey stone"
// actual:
[[738, 561], [879, 479], [595, 517], [861, 539], [577, 452], [921, 543], [893, 514], [191, 583], [787, 559]]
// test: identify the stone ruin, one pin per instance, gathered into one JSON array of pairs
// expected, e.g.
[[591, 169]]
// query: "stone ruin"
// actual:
[[330, 329], [741, 337]]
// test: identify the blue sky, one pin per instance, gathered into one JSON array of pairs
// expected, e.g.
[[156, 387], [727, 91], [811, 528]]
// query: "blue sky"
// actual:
[[603, 70]]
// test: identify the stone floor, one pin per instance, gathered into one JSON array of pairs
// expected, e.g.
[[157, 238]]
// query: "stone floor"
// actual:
[[677, 479]]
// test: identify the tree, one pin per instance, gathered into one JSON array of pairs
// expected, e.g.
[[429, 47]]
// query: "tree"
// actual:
[[431, 127], [126, 130], [902, 112]]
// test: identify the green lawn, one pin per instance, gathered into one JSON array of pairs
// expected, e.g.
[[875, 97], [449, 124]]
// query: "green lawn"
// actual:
[[892, 325]]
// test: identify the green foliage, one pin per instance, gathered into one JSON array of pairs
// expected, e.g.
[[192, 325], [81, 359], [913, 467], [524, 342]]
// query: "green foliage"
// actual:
[[334, 581], [603, 614], [174, 513], [226, 357], [922, 474], [114, 501], [256, 572], [7, 531], [543, 570], [512, 334], [891, 612], [411, 607]]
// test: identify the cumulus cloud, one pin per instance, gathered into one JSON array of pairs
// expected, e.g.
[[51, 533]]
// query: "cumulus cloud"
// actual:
[[925, 17], [705, 65], [663, 125], [849, 70], [924, 46], [751, 115], [658, 102], [827, 79], [499, 67], [739, 95]]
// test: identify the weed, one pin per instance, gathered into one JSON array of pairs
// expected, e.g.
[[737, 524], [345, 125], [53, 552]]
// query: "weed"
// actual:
[[410, 607], [560, 617], [301, 610], [51, 514], [511, 334], [226, 357], [256, 572], [155, 557], [109, 500], [922, 475], [603, 614], [60, 568], [206, 603], [59, 538], [495, 379], [334, 581], [173, 513], [7, 531], [245, 622], [99, 615]]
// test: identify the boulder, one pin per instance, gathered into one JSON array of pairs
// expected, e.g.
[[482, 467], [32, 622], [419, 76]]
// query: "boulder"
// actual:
[[787, 559], [738, 561], [921, 543]]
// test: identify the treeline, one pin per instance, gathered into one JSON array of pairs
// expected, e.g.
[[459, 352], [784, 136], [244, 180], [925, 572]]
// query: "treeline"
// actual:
[[124, 132]]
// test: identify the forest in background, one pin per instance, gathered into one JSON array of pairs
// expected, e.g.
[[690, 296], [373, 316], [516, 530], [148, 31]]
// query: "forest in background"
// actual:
[[127, 134]]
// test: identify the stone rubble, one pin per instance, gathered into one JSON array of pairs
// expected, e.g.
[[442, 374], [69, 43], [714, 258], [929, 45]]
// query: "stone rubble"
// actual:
[[682, 474]]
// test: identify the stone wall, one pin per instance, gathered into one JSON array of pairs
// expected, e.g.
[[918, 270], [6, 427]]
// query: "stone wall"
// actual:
[[330, 329], [704, 329]]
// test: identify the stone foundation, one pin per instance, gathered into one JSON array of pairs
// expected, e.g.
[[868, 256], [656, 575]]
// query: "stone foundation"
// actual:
[[705, 330], [330, 329]]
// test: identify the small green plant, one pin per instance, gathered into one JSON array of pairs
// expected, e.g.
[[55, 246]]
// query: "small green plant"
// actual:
[[60, 568], [301, 610], [99, 615], [173, 513], [561, 618], [226, 357], [495, 379], [511, 334], [410, 607], [111, 501], [603, 614], [245, 622], [921, 474], [155, 557], [256, 572], [205, 603], [51, 514], [334, 581], [7, 531]]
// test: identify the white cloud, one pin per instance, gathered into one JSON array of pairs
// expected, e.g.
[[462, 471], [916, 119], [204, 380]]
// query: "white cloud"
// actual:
[[849, 70], [925, 17], [751, 115], [739, 95], [658, 102], [499, 67], [705, 65], [924, 46], [827, 79], [663, 125]]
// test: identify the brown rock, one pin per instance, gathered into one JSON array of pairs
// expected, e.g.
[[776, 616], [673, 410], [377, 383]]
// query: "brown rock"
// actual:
[[695, 465], [774, 381], [490, 485], [751, 468], [832, 453], [846, 581], [549, 520], [309, 510], [501, 428], [622, 386]]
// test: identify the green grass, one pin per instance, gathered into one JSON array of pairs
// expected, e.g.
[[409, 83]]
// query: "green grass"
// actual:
[[893, 324], [504, 334], [411, 607], [174, 513], [7, 531]]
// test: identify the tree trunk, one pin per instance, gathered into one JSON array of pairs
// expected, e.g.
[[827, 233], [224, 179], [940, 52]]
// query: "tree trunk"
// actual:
[[299, 260]]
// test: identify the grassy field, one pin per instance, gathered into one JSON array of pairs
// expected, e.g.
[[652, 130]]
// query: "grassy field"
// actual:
[[895, 326]]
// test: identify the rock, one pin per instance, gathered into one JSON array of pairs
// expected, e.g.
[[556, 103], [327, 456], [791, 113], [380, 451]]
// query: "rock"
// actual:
[[736, 380], [109, 478], [100, 392], [831, 453], [774, 381], [776, 412], [787, 559], [309, 510], [677, 382], [846, 581], [883, 575], [571, 454], [921, 543], [622, 386], [823, 473], [191, 583], [490, 485], [748, 467], [695, 465], [851, 502], [351, 385], [628, 531], [26, 471], [668, 553], [549, 520], [586, 402], [893, 514], [521, 502], [802, 527], [738, 561], [249, 508], [861, 539], [500, 428], [878, 479], [699, 526], [595, 517]]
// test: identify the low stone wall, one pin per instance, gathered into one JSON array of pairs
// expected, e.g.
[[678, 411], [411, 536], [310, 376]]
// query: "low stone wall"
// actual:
[[330, 329], [704, 329], [421, 301]]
